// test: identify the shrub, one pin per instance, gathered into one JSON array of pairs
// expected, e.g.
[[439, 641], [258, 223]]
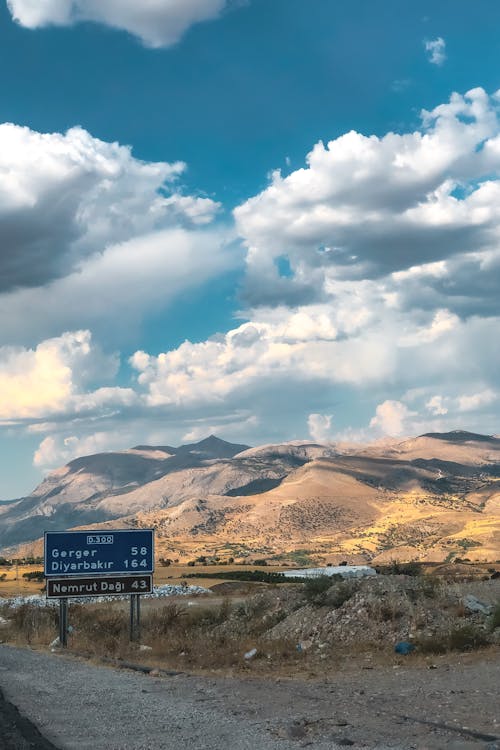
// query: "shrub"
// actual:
[[397, 568], [463, 638], [315, 589], [341, 593], [159, 622], [260, 576], [495, 618], [32, 624], [34, 575]]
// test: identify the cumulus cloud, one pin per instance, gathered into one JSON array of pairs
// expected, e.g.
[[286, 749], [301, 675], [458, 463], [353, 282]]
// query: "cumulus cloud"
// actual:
[[372, 289], [287, 361], [158, 23], [436, 406], [52, 378], [66, 196], [368, 206], [391, 418], [473, 401], [57, 449], [320, 427], [436, 50]]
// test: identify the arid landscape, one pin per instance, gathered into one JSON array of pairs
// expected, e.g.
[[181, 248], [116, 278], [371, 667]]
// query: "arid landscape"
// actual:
[[432, 498], [229, 520]]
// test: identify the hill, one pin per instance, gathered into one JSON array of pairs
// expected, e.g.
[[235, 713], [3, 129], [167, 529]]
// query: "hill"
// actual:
[[433, 497]]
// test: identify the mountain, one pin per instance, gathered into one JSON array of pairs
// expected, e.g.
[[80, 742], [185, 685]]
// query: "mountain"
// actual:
[[106, 486], [433, 497]]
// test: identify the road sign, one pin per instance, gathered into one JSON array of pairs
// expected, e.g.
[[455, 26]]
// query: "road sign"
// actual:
[[76, 553], [63, 588]]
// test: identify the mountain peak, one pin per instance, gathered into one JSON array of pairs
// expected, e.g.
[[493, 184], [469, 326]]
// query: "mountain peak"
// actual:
[[213, 447]]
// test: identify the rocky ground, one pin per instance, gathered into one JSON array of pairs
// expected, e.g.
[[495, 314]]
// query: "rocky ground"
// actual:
[[80, 706], [280, 667]]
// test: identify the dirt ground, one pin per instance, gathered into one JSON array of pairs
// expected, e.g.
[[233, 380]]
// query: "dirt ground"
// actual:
[[449, 703]]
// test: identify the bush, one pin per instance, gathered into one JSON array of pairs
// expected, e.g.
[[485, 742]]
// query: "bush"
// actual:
[[31, 624], [159, 622], [495, 618], [316, 588], [259, 576], [397, 568], [34, 575], [341, 593], [463, 638]]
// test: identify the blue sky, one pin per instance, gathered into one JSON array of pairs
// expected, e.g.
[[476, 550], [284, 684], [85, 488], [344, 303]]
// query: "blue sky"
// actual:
[[160, 280]]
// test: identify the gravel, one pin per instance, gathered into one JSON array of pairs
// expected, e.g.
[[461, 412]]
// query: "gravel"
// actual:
[[159, 592], [79, 706]]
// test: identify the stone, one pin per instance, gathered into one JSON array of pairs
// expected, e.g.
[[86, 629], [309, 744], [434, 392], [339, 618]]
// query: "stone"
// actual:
[[472, 604]]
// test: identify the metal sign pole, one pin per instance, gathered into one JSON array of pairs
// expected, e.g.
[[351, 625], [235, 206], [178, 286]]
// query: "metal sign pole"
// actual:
[[132, 605], [135, 618], [63, 622], [138, 614]]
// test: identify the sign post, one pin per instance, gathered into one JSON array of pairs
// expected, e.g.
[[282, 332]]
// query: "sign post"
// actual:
[[90, 563], [135, 618], [63, 622]]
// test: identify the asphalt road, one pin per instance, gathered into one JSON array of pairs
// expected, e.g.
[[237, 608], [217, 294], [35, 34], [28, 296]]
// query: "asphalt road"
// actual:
[[80, 706], [17, 732]]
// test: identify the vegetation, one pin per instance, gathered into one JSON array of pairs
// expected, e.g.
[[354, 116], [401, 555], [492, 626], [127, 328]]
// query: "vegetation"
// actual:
[[398, 568], [259, 576], [495, 618], [464, 638], [35, 575], [347, 619], [332, 591]]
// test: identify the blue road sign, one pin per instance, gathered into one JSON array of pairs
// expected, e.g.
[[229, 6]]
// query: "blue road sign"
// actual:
[[73, 553]]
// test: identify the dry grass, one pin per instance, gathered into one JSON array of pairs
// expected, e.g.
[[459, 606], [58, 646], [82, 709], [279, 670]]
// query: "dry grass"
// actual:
[[14, 584], [214, 633], [179, 636]]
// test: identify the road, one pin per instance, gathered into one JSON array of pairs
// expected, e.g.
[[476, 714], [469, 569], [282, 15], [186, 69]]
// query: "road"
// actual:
[[80, 706], [17, 732]]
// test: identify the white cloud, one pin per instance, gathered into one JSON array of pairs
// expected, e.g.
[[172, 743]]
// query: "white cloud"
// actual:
[[392, 307], [436, 406], [442, 323], [367, 206], [320, 427], [66, 196], [478, 400], [51, 379], [436, 50], [111, 292], [158, 23], [55, 450], [391, 418]]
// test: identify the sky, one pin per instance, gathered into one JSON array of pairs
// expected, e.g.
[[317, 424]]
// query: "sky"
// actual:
[[264, 219]]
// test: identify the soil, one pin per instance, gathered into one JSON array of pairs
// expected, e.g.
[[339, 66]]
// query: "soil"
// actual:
[[449, 703]]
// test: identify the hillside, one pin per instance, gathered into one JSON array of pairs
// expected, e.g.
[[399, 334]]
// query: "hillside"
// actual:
[[434, 497]]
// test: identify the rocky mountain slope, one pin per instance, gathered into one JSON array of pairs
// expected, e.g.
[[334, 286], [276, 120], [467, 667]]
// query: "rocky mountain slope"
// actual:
[[433, 497], [108, 486]]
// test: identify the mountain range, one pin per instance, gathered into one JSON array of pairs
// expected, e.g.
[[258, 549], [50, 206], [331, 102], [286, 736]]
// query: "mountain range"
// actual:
[[433, 497]]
